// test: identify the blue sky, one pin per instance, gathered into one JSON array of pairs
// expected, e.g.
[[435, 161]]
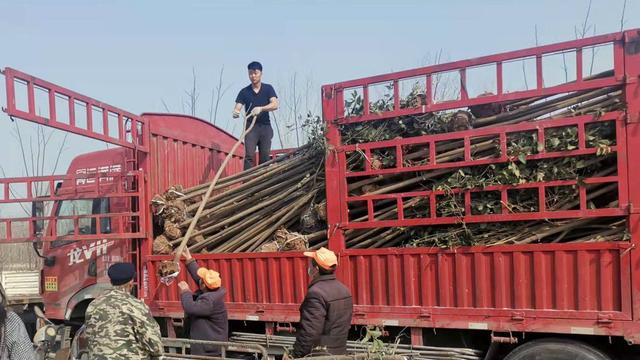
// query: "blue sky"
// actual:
[[135, 55]]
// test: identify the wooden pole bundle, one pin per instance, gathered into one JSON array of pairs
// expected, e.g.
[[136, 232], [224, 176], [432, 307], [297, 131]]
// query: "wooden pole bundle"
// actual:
[[280, 205]]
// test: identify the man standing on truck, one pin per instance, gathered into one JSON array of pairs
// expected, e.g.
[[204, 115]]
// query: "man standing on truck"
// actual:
[[258, 100], [325, 313], [205, 308], [120, 326]]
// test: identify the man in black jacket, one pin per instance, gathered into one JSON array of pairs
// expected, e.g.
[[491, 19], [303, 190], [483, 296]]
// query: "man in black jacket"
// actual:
[[205, 308], [325, 313]]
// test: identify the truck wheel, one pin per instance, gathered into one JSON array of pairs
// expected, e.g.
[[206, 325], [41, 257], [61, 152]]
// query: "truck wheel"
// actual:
[[556, 349]]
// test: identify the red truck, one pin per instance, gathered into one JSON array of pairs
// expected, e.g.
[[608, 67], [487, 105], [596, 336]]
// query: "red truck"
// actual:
[[570, 300]]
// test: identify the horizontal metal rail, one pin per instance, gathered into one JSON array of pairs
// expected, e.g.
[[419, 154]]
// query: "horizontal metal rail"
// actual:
[[63, 187], [183, 344], [85, 185], [427, 76]]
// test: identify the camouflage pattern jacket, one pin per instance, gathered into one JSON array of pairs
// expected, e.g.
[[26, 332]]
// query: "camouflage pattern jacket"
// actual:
[[120, 326]]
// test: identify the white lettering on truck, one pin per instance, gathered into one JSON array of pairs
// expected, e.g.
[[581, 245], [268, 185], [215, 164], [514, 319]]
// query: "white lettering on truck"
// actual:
[[106, 169], [80, 254]]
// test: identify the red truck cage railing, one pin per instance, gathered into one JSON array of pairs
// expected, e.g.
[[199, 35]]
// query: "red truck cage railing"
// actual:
[[39, 101], [336, 114], [100, 185], [46, 103]]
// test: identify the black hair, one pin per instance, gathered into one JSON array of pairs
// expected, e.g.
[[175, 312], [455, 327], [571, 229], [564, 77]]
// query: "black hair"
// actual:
[[322, 270], [254, 65]]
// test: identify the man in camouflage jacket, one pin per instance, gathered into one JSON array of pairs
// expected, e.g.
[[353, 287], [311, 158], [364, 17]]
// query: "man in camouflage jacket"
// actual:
[[120, 326]]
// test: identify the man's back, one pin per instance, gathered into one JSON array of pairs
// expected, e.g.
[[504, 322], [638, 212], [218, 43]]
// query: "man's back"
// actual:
[[119, 326], [325, 317]]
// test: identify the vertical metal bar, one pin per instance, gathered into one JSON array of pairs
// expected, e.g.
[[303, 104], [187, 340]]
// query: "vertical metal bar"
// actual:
[[464, 95], [428, 96], [541, 199], [432, 152], [581, 136], [29, 184], [134, 131], [365, 100], [499, 78], [541, 140], [432, 205], [579, 65], [52, 105], [503, 146], [504, 199], [627, 62], [89, 108], [539, 74], [370, 209], [467, 148], [582, 190], [10, 83], [31, 98], [619, 60], [105, 122], [335, 168], [400, 205], [399, 157], [121, 128], [72, 112], [396, 95]]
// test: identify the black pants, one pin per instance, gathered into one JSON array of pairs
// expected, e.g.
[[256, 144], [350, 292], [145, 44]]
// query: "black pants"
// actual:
[[259, 136]]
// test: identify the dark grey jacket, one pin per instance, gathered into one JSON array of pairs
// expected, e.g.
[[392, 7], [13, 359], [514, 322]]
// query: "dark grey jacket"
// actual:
[[325, 317], [207, 315]]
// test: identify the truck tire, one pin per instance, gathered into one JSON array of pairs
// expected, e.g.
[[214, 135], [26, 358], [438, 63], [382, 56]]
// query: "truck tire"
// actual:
[[556, 349]]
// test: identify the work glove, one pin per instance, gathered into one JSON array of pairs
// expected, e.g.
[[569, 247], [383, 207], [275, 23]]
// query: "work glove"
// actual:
[[235, 114], [183, 286], [256, 111]]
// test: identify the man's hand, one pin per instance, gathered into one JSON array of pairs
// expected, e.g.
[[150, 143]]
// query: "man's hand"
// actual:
[[235, 114], [183, 286], [187, 254], [256, 111]]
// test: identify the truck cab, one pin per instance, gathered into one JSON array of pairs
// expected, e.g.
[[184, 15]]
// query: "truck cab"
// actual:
[[74, 271]]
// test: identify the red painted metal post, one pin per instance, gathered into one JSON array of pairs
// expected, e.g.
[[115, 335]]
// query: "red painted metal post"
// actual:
[[632, 97], [332, 108]]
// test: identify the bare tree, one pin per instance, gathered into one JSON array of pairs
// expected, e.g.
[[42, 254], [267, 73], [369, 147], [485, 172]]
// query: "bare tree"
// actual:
[[189, 104], [219, 92], [624, 8]]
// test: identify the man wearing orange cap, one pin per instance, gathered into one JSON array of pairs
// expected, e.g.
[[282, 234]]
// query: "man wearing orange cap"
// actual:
[[325, 313], [205, 309]]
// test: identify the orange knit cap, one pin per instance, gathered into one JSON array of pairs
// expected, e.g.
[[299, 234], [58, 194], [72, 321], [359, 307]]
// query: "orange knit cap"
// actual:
[[210, 278], [325, 258]]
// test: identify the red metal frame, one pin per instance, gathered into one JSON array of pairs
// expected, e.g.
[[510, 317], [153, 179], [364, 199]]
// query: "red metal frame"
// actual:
[[501, 134], [333, 111], [129, 125], [99, 185], [506, 283]]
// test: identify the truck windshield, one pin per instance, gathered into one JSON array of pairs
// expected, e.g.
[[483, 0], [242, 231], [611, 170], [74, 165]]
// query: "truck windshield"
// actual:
[[85, 225]]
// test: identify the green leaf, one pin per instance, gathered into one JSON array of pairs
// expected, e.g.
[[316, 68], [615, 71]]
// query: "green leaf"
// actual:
[[522, 158]]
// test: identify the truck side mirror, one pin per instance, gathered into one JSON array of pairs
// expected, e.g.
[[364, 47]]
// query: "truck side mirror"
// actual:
[[37, 210]]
